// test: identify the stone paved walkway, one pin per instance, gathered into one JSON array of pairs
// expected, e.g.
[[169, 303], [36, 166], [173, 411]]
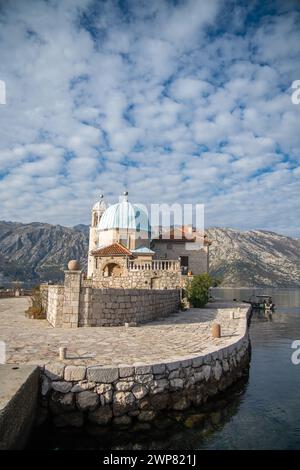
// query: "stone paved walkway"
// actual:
[[182, 334]]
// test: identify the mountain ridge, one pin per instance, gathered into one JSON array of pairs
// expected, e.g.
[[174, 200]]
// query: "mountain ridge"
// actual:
[[35, 252]]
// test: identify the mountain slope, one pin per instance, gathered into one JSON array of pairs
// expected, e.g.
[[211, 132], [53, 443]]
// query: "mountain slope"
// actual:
[[43, 248], [39, 252], [254, 258]]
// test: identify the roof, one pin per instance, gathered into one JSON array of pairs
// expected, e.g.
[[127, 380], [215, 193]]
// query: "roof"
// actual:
[[182, 234], [177, 234], [144, 251], [125, 215], [116, 249]]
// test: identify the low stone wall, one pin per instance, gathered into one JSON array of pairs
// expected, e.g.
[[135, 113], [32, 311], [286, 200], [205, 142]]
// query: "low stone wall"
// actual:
[[112, 307], [73, 305], [73, 394], [7, 293]]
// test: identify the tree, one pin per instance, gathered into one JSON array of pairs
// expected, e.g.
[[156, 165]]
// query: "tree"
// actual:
[[198, 290]]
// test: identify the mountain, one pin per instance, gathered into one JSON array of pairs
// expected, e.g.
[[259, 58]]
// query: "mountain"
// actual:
[[254, 258], [40, 252]]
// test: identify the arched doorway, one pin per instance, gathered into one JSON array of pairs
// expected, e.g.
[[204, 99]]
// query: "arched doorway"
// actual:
[[112, 269]]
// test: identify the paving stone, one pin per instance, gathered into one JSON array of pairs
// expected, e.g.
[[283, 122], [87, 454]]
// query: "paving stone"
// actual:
[[184, 334]]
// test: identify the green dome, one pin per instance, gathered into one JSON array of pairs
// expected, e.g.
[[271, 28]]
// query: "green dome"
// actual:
[[124, 215]]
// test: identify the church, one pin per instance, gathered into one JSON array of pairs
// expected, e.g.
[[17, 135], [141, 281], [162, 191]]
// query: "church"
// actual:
[[135, 274], [123, 253]]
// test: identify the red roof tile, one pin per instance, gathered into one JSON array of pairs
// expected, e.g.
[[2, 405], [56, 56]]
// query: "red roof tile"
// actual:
[[116, 249]]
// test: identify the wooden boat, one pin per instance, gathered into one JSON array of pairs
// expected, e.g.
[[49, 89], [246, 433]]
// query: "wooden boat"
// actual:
[[261, 302]]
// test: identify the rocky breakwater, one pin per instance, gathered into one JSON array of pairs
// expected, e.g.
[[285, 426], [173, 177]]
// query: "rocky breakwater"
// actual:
[[74, 394]]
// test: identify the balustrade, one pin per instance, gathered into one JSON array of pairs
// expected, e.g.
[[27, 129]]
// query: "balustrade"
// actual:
[[154, 265]]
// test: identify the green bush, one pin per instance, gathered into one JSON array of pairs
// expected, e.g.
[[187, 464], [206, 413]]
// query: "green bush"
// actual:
[[198, 290]]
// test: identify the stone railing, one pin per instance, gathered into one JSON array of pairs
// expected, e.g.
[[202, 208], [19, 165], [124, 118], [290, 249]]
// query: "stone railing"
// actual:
[[155, 265]]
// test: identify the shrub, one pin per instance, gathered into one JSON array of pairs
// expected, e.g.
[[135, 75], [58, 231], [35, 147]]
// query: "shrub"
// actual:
[[36, 309], [198, 290]]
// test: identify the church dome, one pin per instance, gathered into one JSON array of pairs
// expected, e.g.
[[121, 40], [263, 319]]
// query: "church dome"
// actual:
[[124, 215]]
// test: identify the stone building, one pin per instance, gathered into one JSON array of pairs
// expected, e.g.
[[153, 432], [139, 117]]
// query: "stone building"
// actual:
[[122, 253], [131, 278]]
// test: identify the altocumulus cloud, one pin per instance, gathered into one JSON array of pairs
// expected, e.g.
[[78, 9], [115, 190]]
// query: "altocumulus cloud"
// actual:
[[186, 101]]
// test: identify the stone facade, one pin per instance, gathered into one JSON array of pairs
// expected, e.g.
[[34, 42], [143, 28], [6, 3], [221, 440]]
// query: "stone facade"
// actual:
[[137, 274], [197, 256], [112, 307], [73, 394], [125, 225], [78, 304]]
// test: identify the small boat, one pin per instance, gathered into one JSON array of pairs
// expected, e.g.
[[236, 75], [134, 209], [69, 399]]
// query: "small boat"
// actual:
[[262, 302]]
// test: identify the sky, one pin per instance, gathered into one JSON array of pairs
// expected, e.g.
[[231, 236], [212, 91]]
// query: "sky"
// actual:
[[175, 101]]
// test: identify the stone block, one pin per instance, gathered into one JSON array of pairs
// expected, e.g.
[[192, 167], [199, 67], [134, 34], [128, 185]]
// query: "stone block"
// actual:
[[124, 386], [206, 372], [102, 374], [125, 371], [87, 400], [177, 384], [74, 373], [54, 371], [139, 391], [61, 386], [144, 379], [173, 365], [45, 385], [197, 361], [159, 368], [187, 362], [60, 402], [142, 369]]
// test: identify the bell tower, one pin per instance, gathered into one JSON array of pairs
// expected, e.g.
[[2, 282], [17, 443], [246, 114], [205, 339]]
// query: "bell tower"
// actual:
[[97, 212]]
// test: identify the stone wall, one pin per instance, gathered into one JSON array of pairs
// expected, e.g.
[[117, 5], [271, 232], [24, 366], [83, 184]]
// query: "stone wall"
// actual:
[[141, 280], [73, 394], [131, 279], [74, 304], [112, 307], [55, 305]]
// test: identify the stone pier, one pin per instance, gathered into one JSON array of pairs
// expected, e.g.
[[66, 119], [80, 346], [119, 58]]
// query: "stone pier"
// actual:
[[121, 375]]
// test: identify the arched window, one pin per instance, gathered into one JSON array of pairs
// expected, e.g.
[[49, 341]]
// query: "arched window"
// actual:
[[95, 219], [112, 269]]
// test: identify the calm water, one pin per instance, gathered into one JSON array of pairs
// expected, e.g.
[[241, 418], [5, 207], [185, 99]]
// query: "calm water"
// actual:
[[261, 412]]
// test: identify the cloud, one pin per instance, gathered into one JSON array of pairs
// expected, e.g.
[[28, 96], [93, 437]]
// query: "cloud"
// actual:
[[185, 101]]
